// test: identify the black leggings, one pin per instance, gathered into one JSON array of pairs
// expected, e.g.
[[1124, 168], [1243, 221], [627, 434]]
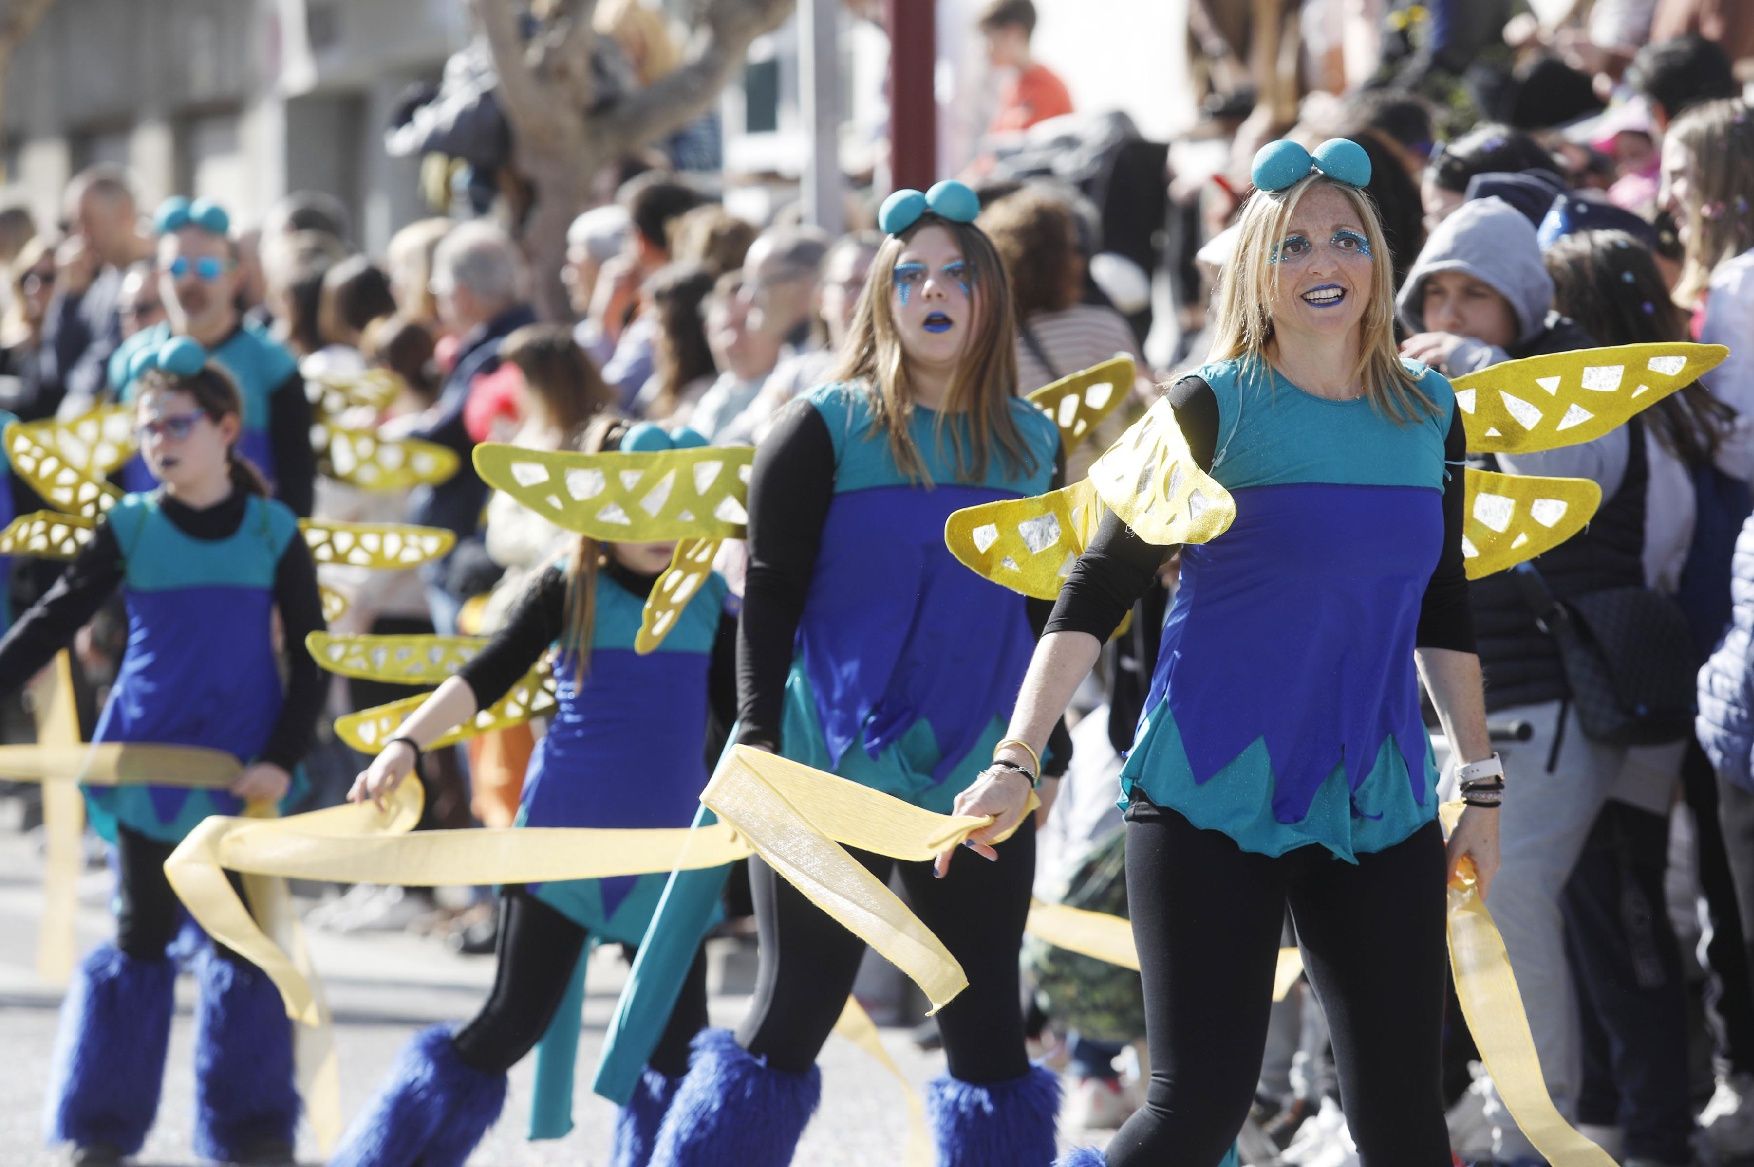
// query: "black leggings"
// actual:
[[538, 950], [1207, 916], [808, 960], [148, 912]]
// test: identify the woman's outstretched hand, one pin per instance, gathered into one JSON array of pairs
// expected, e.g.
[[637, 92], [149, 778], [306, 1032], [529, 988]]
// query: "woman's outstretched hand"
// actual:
[[999, 793]]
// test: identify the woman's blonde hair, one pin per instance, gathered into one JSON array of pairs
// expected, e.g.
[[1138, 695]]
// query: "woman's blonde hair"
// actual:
[[1719, 139], [1244, 325], [984, 382], [638, 27]]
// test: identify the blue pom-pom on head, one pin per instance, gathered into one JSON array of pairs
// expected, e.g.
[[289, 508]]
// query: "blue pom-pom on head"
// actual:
[[900, 211], [177, 212], [1279, 165], [1343, 160], [142, 362], [686, 438], [209, 216], [954, 201], [645, 438], [171, 215], [182, 356]]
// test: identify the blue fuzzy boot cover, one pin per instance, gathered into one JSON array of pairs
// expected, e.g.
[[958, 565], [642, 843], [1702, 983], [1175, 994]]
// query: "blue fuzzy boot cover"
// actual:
[[1082, 1157], [636, 1129], [246, 1097], [431, 1113], [109, 1053], [995, 1124], [732, 1108]]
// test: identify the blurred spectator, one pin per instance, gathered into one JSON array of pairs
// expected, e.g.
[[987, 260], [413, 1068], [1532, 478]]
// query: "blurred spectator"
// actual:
[[1400, 122], [683, 365], [295, 288], [82, 329], [712, 237], [780, 274], [1627, 135], [1678, 73], [252, 280], [141, 306], [32, 284], [1030, 91], [308, 210], [744, 354], [653, 201], [594, 238], [17, 227], [1488, 149], [645, 39], [408, 260], [478, 278], [1036, 236], [355, 292]]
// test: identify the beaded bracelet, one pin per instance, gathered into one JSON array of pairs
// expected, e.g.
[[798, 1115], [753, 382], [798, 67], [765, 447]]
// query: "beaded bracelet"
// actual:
[[1483, 793], [1013, 767], [1034, 758]]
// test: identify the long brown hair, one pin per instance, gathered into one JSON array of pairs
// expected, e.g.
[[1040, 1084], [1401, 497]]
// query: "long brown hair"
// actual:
[[985, 380], [558, 374], [601, 436], [1608, 284], [1243, 327], [216, 395], [1719, 214]]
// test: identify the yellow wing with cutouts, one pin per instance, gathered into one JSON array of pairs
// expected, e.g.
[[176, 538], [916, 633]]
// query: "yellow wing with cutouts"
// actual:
[[361, 458], [1149, 478], [1026, 544], [385, 546], [648, 497], [1511, 518], [689, 567], [1078, 403], [56, 480], [401, 660], [94, 443], [533, 696], [46, 535]]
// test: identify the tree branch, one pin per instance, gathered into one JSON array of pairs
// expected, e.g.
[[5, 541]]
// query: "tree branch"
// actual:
[[672, 102], [520, 94], [565, 50]]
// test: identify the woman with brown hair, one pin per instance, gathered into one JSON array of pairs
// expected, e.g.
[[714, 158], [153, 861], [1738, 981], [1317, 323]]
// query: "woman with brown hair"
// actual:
[[867, 651], [683, 365]]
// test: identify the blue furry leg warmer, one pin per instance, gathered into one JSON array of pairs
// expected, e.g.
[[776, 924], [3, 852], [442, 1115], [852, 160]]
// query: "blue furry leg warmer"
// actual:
[[246, 1100], [995, 1124], [109, 1053], [636, 1129], [1082, 1157], [733, 1108], [432, 1112]]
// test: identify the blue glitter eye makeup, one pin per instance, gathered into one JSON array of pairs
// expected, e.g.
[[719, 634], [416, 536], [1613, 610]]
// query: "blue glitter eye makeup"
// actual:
[[963, 273], [907, 279], [1347, 239], [1291, 247]]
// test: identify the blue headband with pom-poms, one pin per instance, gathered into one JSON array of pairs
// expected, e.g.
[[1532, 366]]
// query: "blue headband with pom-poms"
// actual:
[[1282, 164], [177, 212], [949, 200], [178, 356], [649, 438]]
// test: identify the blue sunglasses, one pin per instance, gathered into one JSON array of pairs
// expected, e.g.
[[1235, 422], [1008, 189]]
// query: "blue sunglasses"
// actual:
[[175, 428], [207, 268]]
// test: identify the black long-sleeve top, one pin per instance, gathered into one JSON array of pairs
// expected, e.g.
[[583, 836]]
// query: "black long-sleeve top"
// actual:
[[538, 620], [94, 575], [289, 436], [791, 487], [1118, 566]]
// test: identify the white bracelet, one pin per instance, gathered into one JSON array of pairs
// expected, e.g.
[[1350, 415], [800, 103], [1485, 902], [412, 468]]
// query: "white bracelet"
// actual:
[[1485, 768]]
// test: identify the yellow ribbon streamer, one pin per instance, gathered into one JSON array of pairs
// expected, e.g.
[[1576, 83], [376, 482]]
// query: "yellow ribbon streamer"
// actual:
[[57, 721], [856, 1026]]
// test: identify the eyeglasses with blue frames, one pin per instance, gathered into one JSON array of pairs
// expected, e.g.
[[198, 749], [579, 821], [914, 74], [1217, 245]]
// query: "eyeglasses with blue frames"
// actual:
[[207, 268], [175, 428]]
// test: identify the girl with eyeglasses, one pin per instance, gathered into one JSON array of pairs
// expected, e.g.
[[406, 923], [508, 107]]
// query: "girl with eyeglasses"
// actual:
[[204, 562]]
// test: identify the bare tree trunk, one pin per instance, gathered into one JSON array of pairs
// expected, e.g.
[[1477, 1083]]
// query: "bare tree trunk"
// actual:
[[546, 88]]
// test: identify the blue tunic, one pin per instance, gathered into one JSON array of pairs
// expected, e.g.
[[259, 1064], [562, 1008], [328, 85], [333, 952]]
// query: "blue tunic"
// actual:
[[626, 748], [1284, 709], [907, 662], [200, 666], [257, 362]]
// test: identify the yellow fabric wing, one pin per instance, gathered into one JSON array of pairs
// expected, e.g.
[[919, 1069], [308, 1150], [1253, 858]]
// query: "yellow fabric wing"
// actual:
[[402, 660], [1510, 518], [361, 458], [619, 497], [335, 393], [1149, 478], [533, 696], [1026, 544], [335, 604], [46, 535], [60, 484], [1542, 403], [690, 566], [375, 545], [1079, 402], [95, 442]]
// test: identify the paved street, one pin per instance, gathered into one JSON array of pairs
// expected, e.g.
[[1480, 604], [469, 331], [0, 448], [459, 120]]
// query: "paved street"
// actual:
[[382, 988]]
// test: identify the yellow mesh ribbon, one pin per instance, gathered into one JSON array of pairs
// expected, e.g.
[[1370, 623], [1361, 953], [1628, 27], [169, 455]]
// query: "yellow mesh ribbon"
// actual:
[[1508, 519], [46, 535], [627, 497], [403, 660], [386, 546], [690, 566], [95, 442], [533, 696], [60, 483], [1026, 544], [1541, 403], [1149, 478], [1079, 402], [361, 458]]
